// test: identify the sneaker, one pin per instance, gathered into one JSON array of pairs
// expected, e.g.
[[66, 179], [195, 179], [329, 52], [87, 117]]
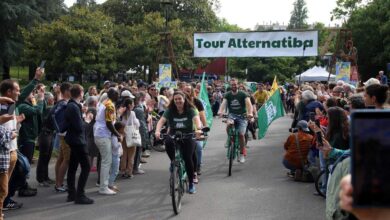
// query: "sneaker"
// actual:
[[83, 200], [143, 160], [138, 172], [44, 184], [114, 188], [60, 189], [70, 198], [196, 181], [146, 153], [107, 191], [242, 158], [191, 189], [50, 181], [27, 193], [97, 184], [12, 205]]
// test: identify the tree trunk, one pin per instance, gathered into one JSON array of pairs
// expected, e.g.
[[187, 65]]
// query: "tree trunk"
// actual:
[[6, 70]]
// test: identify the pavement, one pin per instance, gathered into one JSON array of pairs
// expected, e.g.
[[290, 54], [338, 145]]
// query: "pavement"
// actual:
[[258, 189]]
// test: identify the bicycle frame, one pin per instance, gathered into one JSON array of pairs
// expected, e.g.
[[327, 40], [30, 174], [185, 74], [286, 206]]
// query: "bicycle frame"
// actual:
[[233, 141], [179, 163]]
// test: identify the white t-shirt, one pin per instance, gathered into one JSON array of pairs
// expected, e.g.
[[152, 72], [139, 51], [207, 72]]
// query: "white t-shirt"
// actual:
[[100, 129]]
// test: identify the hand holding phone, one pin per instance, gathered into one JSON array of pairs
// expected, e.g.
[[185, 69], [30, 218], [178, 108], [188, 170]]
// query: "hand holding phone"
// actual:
[[320, 142]]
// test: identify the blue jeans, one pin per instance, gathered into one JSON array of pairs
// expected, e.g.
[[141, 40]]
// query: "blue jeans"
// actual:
[[289, 166], [199, 152], [114, 169]]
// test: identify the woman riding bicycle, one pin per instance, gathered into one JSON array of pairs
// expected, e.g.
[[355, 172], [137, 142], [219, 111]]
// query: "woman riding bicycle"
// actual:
[[181, 116]]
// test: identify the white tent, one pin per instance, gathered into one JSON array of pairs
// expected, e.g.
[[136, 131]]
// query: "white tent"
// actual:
[[315, 74]]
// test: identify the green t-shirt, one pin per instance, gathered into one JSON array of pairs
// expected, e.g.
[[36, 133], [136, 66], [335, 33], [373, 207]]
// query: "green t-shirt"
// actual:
[[181, 122], [236, 103]]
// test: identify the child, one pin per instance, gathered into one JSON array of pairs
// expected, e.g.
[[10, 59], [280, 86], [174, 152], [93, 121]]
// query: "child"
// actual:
[[117, 152]]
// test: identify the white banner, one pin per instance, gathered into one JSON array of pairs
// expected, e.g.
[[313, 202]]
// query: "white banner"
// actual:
[[256, 44]]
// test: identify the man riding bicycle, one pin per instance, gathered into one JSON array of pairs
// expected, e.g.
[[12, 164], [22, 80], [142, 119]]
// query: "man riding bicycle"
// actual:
[[240, 109]]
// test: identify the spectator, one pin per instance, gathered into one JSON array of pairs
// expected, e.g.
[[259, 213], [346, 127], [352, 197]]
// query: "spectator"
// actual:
[[376, 95], [11, 90], [127, 161], [382, 78], [139, 111], [261, 95], [292, 157], [117, 152], [370, 82], [75, 138], [6, 136], [103, 130], [310, 104], [64, 154], [45, 143], [163, 100]]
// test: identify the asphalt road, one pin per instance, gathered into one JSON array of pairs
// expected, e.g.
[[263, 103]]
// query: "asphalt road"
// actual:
[[258, 189]]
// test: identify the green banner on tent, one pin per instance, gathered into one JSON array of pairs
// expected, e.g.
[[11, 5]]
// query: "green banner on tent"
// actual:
[[204, 98], [270, 111]]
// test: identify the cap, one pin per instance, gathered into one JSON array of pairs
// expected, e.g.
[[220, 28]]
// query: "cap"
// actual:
[[127, 93], [303, 125], [371, 81], [105, 82]]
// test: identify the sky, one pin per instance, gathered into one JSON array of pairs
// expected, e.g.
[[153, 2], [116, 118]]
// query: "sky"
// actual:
[[248, 13]]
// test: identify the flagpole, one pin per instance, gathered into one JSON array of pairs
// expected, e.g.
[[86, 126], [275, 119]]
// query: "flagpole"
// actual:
[[303, 55]]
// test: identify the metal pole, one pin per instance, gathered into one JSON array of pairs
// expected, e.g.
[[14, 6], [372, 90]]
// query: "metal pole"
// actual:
[[303, 56]]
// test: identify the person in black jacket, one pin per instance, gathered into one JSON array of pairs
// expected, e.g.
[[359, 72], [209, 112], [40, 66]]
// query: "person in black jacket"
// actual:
[[75, 138]]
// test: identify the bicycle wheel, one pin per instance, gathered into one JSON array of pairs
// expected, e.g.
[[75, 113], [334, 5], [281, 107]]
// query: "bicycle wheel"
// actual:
[[319, 182], [175, 188], [231, 157]]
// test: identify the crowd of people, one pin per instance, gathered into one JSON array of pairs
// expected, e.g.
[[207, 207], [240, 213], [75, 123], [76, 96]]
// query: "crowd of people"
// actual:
[[320, 132], [95, 130]]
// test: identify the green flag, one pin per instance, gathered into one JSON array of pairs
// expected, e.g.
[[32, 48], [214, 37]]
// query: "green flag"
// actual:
[[270, 111], [204, 98]]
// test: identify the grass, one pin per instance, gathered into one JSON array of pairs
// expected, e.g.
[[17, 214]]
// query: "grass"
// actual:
[[19, 72]]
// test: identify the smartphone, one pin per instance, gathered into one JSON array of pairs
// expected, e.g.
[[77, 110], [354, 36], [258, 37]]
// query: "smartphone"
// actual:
[[11, 109], [370, 153], [42, 65], [319, 138]]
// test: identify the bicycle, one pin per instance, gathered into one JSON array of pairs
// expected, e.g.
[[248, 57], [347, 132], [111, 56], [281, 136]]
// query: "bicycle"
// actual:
[[233, 143], [178, 184]]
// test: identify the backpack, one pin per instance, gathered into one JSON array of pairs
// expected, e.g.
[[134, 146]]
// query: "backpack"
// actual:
[[55, 121]]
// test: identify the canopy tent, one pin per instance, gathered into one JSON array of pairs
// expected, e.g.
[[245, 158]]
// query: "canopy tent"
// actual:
[[315, 74]]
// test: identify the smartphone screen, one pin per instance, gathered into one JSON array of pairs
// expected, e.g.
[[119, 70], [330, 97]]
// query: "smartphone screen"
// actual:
[[370, 144], [42, 65], [11, 109], [4, 109]]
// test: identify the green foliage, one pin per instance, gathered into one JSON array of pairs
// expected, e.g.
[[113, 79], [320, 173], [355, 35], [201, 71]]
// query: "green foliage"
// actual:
[[370, 27], [345, 8], [19, 72], [80, 41], [298, 16]]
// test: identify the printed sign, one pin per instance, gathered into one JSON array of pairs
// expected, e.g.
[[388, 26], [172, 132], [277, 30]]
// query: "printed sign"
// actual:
[[256, 44]]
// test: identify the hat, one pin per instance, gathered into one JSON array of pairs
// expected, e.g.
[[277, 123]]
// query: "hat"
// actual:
[[105, 82], [371, 81], [127, 93], [303, 125]]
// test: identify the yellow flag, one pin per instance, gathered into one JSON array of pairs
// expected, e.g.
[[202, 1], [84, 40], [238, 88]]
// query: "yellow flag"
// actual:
[[274, 87]]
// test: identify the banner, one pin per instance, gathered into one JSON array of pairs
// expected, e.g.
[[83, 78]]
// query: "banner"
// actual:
[[343, 71], [165, 73], [204, 98], [171, 84], [256, 44], [270, 111]]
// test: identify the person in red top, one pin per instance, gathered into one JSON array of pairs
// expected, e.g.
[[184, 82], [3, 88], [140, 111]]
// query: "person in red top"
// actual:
[[292, 158]]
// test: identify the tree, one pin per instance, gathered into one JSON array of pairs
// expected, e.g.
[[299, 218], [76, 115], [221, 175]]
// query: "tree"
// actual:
[[79, 42], [298, 16], [370, 27], [345, 8]]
